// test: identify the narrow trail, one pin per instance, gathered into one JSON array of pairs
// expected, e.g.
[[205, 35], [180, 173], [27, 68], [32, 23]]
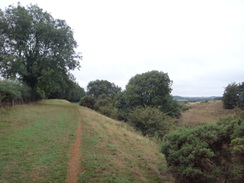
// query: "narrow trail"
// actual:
[[75, 154]]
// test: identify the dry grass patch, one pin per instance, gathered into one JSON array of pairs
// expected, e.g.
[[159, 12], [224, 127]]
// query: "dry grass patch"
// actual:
[[204, 112], [113, 152]]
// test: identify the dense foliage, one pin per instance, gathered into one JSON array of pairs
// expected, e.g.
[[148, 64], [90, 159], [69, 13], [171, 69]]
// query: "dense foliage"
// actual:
[[207, 153], [150, 121], [122, 107], [234, 96], [37, 49], [104, 105], [12, 92], [72, 92], [149, 89], [88, 101], [99, 87]]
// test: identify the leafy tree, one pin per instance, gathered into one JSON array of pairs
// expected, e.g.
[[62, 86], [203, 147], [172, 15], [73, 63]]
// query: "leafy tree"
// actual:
[[36, 48], [104, 105], [75, 92], [230, 97], [151, 89], [207, 153], [122, 108], [71, 92], [99, 87], [234, 96], [88, 101]]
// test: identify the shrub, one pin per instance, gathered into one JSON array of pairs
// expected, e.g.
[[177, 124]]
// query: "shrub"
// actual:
[[12, 92], [150, 121], [88, 101], [104, 105], [207, 153]]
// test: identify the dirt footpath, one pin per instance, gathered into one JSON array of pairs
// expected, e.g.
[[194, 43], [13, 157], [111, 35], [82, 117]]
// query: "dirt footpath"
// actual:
[[75, 154]]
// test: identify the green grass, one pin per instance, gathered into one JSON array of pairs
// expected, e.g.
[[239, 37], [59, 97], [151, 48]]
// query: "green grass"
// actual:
[[113, 152], [35, 142]]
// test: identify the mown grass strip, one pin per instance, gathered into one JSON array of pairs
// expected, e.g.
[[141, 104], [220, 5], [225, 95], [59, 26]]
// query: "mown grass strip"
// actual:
[[35, 141]]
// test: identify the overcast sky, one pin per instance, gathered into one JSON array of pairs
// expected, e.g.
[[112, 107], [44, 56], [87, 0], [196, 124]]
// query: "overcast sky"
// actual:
[[199, 43]]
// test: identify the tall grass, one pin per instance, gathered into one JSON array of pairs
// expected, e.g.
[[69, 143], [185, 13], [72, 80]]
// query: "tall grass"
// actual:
[[204, 112]]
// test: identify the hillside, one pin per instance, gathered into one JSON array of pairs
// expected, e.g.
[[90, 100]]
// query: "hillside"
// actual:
[[43, 142], [204, 112]]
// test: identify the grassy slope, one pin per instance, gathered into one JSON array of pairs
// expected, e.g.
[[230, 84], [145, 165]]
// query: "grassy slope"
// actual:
[[36, 140], [112, 152], [204, 112]]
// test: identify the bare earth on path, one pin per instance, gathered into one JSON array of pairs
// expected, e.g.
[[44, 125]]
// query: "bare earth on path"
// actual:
[[75, 153]]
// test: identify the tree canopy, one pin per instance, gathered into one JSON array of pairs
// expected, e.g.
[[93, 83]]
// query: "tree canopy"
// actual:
[[151, 89], [36, 48], [99, 87], [148, 89]]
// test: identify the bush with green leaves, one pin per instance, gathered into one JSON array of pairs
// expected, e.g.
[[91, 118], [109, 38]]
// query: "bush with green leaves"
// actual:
[[104, 105], [208, 152], [12, 92], [88, 101], [150, 121]]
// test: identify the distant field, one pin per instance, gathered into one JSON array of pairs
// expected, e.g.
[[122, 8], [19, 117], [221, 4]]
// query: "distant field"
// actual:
[[204, 112], [37, 141]]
